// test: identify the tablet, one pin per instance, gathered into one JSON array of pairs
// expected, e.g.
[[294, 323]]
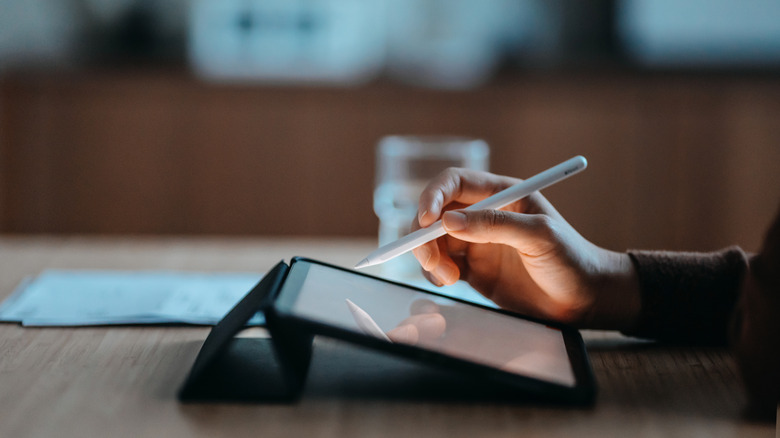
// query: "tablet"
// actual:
[[533, 356]]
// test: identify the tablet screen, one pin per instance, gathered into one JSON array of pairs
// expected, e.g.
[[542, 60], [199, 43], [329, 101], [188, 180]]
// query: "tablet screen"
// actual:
[[398, 314]]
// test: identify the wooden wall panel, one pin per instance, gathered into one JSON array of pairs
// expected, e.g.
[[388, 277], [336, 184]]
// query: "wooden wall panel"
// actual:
[[679, 162]]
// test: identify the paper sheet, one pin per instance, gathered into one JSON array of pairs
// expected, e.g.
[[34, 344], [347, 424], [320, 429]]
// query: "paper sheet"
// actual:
[[76, 298]]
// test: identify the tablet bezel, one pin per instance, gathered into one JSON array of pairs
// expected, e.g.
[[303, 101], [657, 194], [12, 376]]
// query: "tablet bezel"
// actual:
[[583, 392]]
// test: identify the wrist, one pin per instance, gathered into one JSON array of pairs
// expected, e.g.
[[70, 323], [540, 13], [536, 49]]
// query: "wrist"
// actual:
[[618, 302]]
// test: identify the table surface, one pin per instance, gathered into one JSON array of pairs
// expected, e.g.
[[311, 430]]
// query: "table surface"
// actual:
[[122, 381]]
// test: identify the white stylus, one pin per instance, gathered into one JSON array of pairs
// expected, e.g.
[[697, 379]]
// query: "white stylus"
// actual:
[[365, 322], [501, 199]]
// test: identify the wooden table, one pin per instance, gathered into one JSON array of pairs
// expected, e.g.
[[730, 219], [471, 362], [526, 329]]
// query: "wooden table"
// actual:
[[122, 382]]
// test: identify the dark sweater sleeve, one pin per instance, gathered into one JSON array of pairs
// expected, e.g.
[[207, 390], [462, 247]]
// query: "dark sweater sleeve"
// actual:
[[688, 297]]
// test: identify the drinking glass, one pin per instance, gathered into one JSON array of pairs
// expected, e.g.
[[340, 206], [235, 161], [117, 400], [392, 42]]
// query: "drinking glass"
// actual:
[[404, 166]]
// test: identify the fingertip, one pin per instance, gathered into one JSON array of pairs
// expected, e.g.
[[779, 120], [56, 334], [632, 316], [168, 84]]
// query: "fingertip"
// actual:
[[447, 273], [432, 278]]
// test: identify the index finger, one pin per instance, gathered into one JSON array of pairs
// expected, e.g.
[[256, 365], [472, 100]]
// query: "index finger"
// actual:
[[463, 186]]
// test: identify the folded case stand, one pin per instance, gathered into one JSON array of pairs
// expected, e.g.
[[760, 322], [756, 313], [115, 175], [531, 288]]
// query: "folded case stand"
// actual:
[[251, 369]]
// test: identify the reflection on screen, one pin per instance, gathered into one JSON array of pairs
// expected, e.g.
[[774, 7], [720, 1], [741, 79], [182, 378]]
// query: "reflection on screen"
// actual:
[[398, 314]]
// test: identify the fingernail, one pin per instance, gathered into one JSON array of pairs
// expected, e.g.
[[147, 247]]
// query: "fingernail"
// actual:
[[454, 221], [420, 216], [433, 279]]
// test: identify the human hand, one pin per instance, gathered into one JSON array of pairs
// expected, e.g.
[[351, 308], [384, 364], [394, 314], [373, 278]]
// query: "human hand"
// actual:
[[525, 257]]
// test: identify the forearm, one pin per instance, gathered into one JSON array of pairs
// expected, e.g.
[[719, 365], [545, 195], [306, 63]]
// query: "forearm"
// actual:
[[687, 297]]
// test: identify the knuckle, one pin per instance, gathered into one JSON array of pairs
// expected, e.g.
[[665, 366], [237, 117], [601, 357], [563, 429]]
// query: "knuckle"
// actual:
[[448, 178], [496, 219], [442, 187]]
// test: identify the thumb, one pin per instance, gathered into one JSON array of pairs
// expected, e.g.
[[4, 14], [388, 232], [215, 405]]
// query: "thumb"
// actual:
[[531, 234]]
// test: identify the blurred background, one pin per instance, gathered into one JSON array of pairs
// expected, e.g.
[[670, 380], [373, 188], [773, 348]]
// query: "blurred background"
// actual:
[[262, 117]]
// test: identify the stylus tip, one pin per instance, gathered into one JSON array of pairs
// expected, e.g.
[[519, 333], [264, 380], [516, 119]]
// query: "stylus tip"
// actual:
[[363, 263]]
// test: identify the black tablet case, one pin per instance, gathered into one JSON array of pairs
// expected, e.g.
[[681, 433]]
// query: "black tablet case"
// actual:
[[275, 369]]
